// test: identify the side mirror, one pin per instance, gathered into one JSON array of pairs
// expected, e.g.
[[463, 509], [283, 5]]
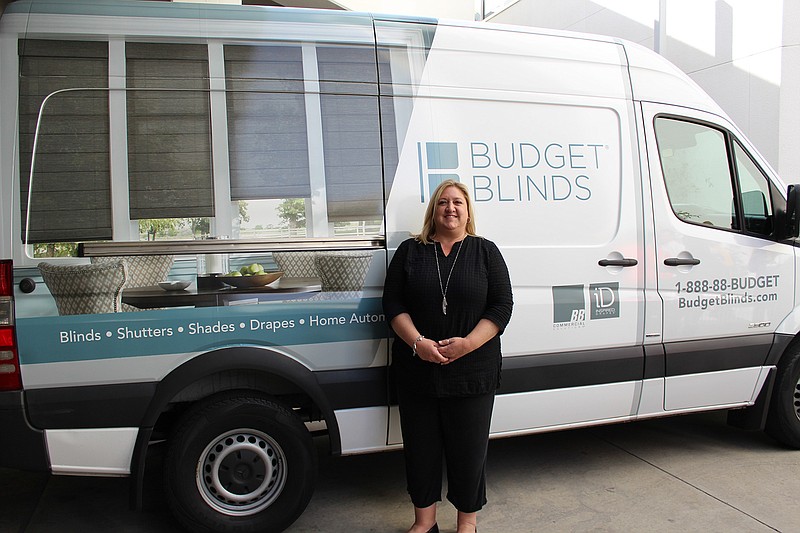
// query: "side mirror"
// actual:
[[791, 226]]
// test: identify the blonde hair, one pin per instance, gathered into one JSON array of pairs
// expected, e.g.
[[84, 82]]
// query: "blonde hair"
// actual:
[[429, 224]]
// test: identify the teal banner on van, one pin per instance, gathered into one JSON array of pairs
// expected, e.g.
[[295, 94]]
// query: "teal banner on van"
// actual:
[[173, 331]]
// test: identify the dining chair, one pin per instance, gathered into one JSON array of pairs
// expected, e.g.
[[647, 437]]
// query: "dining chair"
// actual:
[[143, 270], [296, 264], [343, 272], [86, 289]]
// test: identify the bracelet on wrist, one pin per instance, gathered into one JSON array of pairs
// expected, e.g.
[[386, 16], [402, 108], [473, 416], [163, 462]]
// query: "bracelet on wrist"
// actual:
[[414, 346]]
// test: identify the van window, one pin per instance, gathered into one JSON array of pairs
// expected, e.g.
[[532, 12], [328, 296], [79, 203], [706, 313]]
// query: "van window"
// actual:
[[754, 185], [696, 172], [702, 186]]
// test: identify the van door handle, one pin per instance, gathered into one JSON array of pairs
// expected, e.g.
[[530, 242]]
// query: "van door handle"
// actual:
[[679, 261], [618, 262]]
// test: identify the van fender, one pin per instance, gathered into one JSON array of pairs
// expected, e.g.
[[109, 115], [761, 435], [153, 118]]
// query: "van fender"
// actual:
[[790, 325], [755, 417], [242, 358]]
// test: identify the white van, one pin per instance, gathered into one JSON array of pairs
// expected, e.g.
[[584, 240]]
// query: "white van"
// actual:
[[151, 151]]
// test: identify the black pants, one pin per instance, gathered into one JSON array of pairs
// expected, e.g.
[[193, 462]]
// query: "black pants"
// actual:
[[456, 429]]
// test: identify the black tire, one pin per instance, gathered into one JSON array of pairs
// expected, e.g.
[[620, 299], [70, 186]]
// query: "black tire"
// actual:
[[783, 420], [239, 462]]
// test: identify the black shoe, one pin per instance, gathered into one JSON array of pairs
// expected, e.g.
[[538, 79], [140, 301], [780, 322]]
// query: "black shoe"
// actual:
[[434, 529]]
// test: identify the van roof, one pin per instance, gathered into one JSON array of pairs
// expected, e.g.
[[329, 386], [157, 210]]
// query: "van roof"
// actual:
[[653, 78]]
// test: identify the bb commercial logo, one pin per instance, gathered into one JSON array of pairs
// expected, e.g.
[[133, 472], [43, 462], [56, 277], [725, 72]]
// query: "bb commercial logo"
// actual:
[[569, 305]]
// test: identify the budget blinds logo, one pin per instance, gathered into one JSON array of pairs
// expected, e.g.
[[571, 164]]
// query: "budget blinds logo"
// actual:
[[569, 304], [435, 160], [520, 171]]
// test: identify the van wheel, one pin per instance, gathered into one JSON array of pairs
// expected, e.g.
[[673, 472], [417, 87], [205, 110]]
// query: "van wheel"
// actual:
[[783, 420], [239, 462]]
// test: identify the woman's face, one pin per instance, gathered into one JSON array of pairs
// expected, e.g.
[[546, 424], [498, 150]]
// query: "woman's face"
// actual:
[[451, 213]]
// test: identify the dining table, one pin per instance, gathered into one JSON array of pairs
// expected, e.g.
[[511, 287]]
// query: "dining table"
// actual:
[[285, 288]]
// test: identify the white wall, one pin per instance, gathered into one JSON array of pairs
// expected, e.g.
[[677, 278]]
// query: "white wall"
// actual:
[[744, 53], [789, 116]]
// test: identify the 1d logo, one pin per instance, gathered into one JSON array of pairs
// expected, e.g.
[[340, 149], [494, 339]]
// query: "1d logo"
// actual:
[[569, 306], [605, 300], [438, 156]]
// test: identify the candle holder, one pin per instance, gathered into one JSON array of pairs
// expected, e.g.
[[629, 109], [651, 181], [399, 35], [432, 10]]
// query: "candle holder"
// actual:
[[210, 267]]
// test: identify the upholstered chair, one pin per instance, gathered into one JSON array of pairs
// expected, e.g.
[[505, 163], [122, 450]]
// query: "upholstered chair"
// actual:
[[143, 270], [296, 264], [86, 289], [343, 273]]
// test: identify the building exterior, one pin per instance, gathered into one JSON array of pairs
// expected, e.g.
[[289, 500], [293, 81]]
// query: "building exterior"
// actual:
[[745, 54]]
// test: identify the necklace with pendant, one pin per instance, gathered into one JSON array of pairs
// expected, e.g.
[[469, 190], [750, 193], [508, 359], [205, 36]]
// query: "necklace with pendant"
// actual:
[[439, 273]]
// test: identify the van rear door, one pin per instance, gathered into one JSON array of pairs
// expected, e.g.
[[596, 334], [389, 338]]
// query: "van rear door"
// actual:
[[724, 274]]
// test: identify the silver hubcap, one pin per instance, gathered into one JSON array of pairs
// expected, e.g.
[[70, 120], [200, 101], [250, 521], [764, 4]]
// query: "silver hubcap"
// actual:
[[796, 399], [242, 472]]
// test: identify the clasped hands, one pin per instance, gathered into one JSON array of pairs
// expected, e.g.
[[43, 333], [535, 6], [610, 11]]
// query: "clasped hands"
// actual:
[[444, 351]]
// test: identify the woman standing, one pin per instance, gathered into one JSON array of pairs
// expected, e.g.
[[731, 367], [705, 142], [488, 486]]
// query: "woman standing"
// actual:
[[448, 298]]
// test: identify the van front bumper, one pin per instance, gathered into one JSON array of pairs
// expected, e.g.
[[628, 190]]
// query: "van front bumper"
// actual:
[[22, 447]]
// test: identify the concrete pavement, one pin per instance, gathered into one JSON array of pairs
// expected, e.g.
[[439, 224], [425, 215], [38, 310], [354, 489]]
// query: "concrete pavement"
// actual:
[[686, 474]]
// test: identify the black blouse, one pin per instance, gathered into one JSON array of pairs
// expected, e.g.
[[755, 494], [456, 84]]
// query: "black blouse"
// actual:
[[479, 288]]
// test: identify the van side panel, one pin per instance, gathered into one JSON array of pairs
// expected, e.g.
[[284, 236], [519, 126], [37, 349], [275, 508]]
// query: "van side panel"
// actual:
[[552, 166], [240, 68], [91, 451]]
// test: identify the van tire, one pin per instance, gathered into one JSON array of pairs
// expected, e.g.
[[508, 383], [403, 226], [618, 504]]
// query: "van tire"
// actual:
[[783, 420], [257, 459]]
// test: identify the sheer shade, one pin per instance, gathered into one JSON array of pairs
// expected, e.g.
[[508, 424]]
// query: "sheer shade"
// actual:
[[70, 200]]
